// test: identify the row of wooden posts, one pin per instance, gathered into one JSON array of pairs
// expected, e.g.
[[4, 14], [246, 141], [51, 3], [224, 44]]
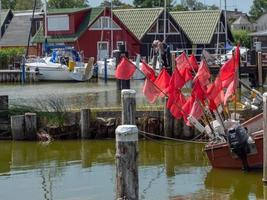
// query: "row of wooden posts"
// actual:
[[16, 76]]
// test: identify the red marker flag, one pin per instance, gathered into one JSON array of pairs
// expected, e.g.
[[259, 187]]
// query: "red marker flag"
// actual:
[[125, 69]]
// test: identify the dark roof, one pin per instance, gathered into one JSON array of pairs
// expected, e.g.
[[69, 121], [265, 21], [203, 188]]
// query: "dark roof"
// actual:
[[199, 26], [66, 10], [17, 32], [88, 19]]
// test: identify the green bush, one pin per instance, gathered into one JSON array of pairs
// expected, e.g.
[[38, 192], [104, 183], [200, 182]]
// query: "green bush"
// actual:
[[243, 37], [9, 56]]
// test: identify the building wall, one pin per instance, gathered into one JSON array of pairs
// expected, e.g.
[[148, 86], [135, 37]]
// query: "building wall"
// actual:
[[75, 20], [175, 41], [261, 23], [88, 42]]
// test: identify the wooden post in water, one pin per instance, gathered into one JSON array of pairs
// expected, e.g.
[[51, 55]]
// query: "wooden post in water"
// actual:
[[30, 126], [168, 120], [264, 179], [17, 127], [127, 162], [128, 106], [85, 123], [260, 78]]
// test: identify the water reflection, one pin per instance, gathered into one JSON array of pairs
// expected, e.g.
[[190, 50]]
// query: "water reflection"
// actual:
[[241, 185], [86, 170]]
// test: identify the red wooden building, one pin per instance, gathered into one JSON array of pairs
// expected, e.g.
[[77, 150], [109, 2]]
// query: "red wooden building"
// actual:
[[95, 31]]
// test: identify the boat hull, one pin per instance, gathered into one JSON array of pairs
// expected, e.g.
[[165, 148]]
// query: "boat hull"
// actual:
[[220, 155]]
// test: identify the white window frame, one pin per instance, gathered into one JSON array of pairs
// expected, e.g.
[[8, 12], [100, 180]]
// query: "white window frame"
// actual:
[[102, 42], [54, 25], [167, 31], [101, 19]]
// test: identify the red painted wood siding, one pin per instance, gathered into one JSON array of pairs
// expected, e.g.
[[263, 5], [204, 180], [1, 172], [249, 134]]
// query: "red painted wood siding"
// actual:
[[75, 19], [88, 41]]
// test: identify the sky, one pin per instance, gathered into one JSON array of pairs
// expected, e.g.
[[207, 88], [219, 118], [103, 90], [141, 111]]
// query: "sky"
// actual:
[[243, 5]]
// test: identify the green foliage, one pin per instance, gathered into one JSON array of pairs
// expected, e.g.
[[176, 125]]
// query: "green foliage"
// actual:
[[10, 55], [258, 8], [116, 4], [27, 5], [6, 4], [20, 4], [54, 109], [152, 3], [196, 5], [67, 3], [242, 36]]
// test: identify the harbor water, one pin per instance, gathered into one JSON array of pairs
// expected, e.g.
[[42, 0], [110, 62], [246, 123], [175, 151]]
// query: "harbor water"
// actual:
[[85, 170]]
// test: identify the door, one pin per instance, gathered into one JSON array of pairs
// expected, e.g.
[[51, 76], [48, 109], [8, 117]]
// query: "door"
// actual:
[[102, 50]]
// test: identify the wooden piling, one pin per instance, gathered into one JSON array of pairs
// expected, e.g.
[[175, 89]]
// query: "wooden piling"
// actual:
[[128, 106], [17, 127], [264, 179], [168, 121], [4, 114], [30, 126], [85, 124], [127, 162], [259, 62]]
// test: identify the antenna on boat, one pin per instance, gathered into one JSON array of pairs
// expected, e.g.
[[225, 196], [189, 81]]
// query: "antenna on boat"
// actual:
[[111, 26]]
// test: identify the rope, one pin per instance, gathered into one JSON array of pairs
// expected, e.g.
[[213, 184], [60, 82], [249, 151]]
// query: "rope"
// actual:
[[173, 139]]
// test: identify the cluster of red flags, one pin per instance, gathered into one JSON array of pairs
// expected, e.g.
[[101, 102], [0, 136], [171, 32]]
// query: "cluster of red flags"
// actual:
[[204, 92]]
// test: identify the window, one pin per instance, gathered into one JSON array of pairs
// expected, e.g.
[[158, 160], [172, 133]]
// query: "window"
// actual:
[[158, 28], [105, 23], [121, 43], [58, 23]]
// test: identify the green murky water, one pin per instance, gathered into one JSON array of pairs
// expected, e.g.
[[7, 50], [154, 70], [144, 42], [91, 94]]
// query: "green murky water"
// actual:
[[85, 170], [75, 94]]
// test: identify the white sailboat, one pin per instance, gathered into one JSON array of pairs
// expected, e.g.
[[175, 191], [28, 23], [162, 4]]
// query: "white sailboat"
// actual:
[[62, 65]]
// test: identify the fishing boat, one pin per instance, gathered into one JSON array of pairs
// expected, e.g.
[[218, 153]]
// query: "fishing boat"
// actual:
[[62, 65], [239, 150]]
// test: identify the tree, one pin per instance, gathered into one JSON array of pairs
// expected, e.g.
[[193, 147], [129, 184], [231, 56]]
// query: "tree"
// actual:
[[67, 3], [152, 3], [243, 37], [197, 5], [258, 8], [115, 4], [27, 5], [6, 4]]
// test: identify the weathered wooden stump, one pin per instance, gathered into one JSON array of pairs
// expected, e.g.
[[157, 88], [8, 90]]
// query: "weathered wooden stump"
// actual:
[[17, 127], [30, 126], [85, 124], [127, 162], [128, 106]]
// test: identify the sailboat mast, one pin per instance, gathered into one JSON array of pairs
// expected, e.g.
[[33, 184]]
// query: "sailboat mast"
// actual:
[[225, 18], [164, 21], [111, 26], [45, 15]]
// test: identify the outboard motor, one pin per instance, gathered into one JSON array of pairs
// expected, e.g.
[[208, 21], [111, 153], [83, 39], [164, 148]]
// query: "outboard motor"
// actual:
[[237, 138]]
